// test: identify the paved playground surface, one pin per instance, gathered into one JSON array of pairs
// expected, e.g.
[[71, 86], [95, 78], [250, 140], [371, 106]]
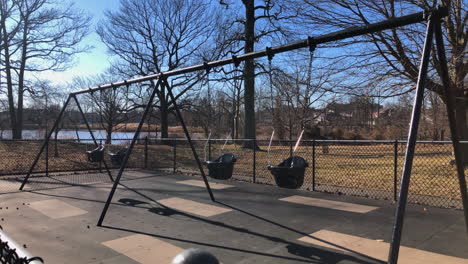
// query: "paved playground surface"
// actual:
[[155, 215]]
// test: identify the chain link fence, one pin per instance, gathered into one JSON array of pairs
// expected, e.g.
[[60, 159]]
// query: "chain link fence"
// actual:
[[360, 168]]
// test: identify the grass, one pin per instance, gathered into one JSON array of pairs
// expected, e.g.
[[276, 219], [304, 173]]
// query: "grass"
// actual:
[[366, 170]]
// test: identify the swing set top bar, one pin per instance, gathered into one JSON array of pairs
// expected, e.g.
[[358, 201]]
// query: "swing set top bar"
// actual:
[[270, 52]]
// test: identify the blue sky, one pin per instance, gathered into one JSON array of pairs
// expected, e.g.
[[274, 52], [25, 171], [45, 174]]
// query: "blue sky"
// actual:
[[95, 61]]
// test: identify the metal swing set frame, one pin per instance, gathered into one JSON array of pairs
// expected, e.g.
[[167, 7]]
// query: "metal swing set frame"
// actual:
[[432, 17]]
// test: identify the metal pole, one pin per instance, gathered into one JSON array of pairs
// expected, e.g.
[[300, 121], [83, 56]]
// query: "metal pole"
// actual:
[[127, 154], [450, 103], [146, 152], [395, 170], [254, 161], [413, 133], [46, 141], [92, 135], [313, 164], [100, 163], [175, 157], [209, 149], [47, 146], [47, 159], [290, 144], [187, 134]]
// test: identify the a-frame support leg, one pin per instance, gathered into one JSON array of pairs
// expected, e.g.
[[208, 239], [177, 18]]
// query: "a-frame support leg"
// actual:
[[450, 104], [46, 142], [127, 154], [413, 133]]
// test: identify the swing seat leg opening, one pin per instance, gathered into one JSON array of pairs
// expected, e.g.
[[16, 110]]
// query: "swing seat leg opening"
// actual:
[[222, 167], [289, 173]]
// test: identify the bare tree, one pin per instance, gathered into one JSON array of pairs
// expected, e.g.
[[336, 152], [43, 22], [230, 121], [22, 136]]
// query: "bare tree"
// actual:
[[44, 98], [47, 100], [151, 36], [111, 106], [36, 36], [298, 94], [392, 57], [259, 20], [230, 97]]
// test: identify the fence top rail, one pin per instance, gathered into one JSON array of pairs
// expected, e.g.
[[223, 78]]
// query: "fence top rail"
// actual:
[[311, 141], [310, 42]]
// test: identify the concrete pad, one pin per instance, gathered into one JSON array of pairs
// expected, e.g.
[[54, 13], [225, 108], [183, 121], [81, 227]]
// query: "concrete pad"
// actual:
[[144, 249], [260, 230], [348, 207], [377, 249], [213, 185], [192, 207], [56, 209]]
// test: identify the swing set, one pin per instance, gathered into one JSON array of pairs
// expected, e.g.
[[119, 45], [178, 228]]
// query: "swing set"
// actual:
[[293, 166]]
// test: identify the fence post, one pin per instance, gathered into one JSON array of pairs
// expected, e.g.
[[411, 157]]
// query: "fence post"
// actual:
[[313, 164], [254, 160], [290, 146], [146, 152], [395, 170], [209, 148], [174, 159], [100, 162], [47, 159]]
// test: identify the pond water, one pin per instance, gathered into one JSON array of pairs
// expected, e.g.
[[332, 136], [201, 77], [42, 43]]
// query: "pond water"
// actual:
[[83, 135]]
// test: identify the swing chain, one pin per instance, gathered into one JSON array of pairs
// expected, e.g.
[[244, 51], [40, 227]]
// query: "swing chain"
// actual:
[[208, 69], [270, 56], [312, 46]]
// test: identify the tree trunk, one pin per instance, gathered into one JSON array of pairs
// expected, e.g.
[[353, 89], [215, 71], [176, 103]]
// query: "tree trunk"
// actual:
[[11, 102], [19, 111], [249, 76], [109, 135], [462, 126], [238, 114], [56, 152], [164, 119], [233, 120]]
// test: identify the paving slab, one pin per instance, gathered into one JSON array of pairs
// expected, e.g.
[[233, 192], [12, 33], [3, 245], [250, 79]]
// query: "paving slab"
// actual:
[[192, 207], [54, 208], [144, 249], [376, 248], [348, 207], [214, 186]]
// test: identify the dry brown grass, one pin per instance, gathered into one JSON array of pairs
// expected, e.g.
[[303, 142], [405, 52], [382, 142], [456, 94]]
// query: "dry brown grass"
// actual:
[[131, 127]]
